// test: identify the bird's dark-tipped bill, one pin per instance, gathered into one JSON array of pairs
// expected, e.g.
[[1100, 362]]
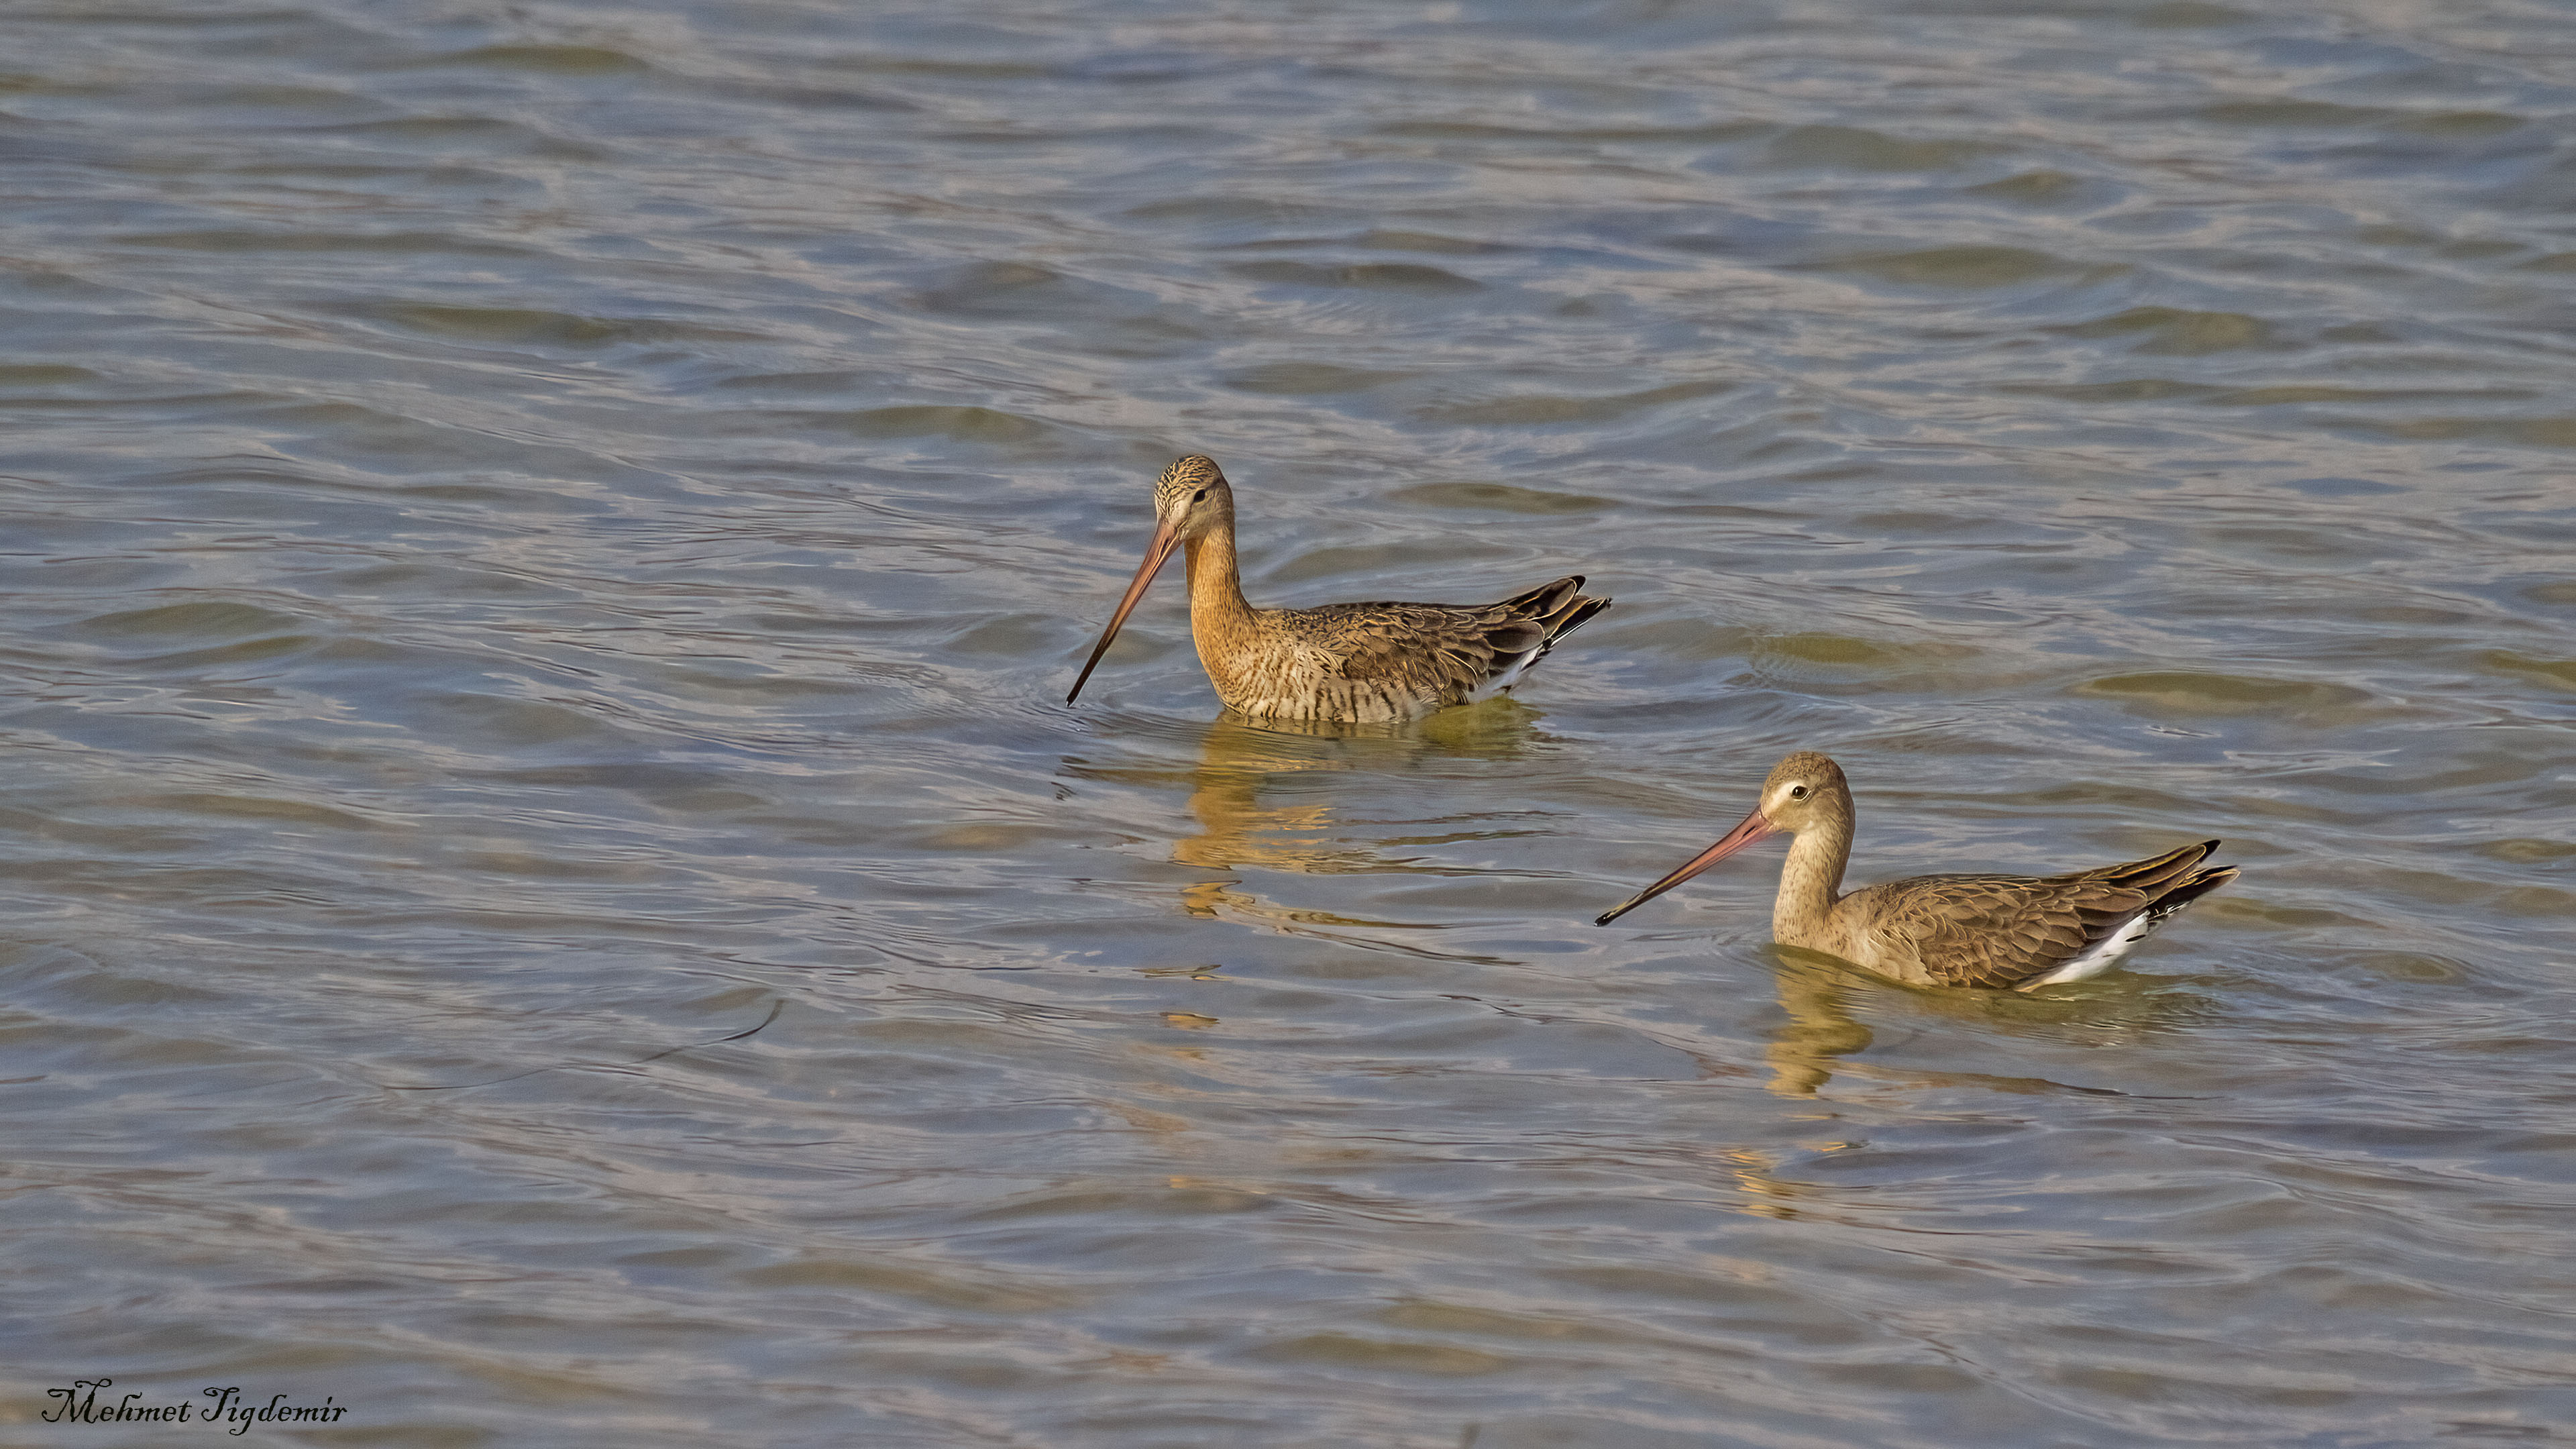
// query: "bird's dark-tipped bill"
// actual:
[[1753, 829], [1166, 537]]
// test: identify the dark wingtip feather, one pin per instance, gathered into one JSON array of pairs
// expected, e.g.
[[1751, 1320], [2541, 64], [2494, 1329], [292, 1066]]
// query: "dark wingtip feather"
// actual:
[[1574, 618], [1546, 599], [2192, 888]]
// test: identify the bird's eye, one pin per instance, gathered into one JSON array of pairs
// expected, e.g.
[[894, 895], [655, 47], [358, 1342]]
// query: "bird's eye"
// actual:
[[1199, 497], [1797, 792]]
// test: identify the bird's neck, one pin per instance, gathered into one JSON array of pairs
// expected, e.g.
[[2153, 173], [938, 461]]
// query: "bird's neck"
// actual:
[[1217, 606], [1811, 880]]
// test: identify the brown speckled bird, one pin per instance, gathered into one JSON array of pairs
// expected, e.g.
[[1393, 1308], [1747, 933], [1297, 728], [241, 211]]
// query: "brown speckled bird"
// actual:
[[2006, 931], [1354, 663]]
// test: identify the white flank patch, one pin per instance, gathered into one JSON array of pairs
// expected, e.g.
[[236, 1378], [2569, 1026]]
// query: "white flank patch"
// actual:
[[2107, 953], [1504, 680]]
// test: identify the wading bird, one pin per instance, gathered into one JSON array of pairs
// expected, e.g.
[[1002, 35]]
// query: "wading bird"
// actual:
[[1355, 663], [2009, 931]]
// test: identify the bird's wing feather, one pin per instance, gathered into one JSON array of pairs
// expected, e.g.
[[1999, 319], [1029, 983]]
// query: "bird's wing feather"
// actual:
[[1452, 648], [2002, 930]]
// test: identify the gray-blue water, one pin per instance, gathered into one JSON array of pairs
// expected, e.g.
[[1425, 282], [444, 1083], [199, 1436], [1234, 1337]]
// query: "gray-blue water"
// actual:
[[541, 537]]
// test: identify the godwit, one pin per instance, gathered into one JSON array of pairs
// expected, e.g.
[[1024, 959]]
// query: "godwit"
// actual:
[[1354, 663], [2011, 931]]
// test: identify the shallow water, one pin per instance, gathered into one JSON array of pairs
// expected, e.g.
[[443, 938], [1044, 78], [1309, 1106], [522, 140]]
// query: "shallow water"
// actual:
[[544, 538]]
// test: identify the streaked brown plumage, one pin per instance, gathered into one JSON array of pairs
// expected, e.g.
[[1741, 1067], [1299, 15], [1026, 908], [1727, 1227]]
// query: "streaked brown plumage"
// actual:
[[1355, 663], [2006, 931]]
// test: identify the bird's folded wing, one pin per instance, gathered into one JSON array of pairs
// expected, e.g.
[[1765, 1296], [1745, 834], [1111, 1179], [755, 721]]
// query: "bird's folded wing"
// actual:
[[1434, 645], [2000, 931]]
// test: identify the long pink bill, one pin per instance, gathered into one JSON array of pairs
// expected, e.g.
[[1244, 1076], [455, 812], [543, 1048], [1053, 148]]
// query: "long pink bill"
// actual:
[[1753, 829], [1166, 538]]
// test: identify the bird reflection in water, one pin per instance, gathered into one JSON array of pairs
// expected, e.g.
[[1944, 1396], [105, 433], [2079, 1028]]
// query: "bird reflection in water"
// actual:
[[1239, 758], [1304, 827], [1259, 806], [1818, 995], [1820, 1026]]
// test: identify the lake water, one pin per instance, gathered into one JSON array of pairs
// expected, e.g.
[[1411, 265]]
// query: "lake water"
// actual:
[[553, 898]]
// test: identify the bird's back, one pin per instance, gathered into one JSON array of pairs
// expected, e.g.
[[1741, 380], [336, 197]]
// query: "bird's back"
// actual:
[[2009, 931], [1392, 660]]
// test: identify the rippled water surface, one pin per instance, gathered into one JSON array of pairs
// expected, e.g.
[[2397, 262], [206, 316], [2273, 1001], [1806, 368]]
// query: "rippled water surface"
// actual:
[[553, 897]]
